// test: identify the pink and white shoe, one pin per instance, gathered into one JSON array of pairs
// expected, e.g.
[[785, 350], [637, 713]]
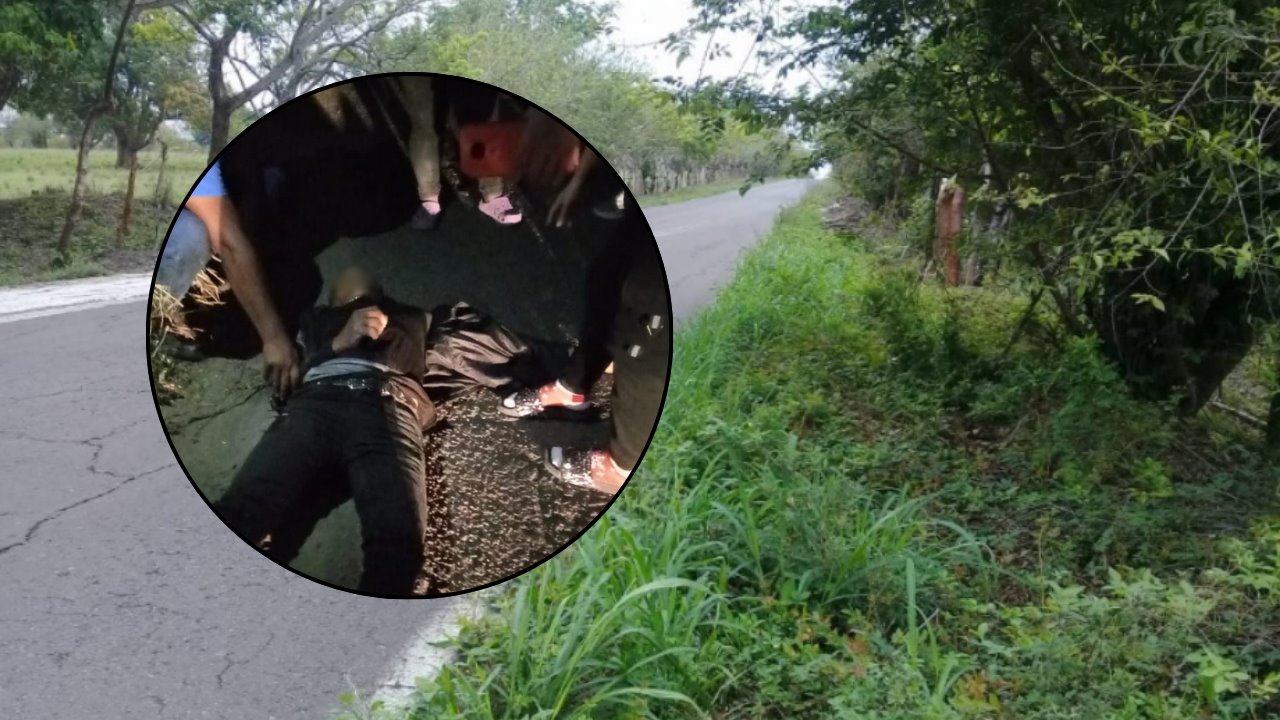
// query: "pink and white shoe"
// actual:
[[593, 469], [551, 401], [501, 210]]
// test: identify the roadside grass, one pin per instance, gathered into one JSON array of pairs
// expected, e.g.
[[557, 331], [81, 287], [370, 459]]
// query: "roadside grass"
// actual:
[[29, 228], [35, 186], [693, 193], [859, 505]]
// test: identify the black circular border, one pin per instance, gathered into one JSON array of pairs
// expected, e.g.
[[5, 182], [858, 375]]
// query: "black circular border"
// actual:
[[661, 406]]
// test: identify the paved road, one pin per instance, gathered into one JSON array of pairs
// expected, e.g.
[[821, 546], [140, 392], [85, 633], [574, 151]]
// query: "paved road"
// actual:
[[702, 239], [122, 596]]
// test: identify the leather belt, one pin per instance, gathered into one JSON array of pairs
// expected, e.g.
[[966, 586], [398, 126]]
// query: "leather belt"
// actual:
[[363, 383], [380, 386]]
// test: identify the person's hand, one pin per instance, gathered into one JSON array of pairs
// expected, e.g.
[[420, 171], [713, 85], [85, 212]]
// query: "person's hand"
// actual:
[[558, 215], [280, 365], [364, 323], [544, 147]]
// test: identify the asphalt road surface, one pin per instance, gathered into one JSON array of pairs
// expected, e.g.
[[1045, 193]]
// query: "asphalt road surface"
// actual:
[[122, 596]]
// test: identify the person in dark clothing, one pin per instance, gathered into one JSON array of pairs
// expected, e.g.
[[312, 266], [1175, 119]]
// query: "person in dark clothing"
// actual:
[[373, 369], [627, 324], [627, 320], [360, 408]]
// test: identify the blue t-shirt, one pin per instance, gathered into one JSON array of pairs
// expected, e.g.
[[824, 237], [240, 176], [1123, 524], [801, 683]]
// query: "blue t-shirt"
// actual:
[[211, 184]]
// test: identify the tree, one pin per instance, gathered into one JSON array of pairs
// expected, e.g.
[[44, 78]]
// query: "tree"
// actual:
[[153, 70], [38, 39], [29, 131], [549, 51], [271, 50], [104, 106], [1136, 143], [157, 62]]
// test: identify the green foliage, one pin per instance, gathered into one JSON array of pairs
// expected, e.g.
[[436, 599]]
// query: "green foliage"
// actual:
[[158, 60], [40, 40], [841, 516], [554, 53], [27, 222], [1133, 143], [29, 131]]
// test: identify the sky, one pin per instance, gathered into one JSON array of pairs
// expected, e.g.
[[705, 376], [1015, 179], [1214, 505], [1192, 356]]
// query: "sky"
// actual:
[[641, 25]]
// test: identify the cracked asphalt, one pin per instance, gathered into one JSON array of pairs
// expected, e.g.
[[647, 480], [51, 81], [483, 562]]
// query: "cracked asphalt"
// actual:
[[123, 596]]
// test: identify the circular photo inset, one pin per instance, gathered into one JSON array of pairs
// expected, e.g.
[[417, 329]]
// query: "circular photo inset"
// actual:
[[409, 335]]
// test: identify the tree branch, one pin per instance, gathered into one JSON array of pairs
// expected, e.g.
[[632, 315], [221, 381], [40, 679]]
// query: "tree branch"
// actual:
[[302, 38]]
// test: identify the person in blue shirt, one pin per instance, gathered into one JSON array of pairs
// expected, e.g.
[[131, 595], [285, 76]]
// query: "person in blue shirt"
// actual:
[[208, 224]]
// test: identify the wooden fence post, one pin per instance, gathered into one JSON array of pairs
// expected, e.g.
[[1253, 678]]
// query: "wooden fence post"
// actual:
[[949, 218]]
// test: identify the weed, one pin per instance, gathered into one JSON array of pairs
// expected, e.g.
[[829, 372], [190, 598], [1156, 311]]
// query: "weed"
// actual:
[[861, 503]]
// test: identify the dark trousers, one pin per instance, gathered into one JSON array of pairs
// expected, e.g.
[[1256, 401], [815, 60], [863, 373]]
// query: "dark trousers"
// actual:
[[628, 322], [326, 435]]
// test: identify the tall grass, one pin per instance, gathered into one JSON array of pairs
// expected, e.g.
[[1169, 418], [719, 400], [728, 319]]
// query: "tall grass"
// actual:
[[822, 529], [738, 510]]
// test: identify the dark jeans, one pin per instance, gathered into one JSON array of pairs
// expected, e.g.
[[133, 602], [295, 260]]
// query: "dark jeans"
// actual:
[[326, 435], [629, 322]]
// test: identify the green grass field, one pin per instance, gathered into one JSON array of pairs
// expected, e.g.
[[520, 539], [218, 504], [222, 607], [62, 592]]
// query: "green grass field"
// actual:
[[26, 171], [34, 189], [858, 504]]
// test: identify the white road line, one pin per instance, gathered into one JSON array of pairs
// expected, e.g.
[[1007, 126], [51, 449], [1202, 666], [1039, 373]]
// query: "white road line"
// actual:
[[32, 301], [423, 656]]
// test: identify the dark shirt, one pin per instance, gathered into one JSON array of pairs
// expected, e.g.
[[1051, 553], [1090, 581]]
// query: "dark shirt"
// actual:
[[401, 347]]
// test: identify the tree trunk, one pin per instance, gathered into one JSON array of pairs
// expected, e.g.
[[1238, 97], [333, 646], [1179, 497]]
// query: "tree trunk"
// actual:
[[126, 214], [219, 129], [8, 85], [77, 190], [949, 220], [82, 155], [223, 106], [161, 194], [123, 147]]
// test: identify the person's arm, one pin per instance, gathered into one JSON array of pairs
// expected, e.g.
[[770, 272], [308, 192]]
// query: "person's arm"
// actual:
[[545, 146], [364, 323], [558, 215], [279, 355]]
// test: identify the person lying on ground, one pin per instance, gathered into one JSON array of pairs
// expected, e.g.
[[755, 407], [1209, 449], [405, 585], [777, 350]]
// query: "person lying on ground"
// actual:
[[207, 225], [374, 370]]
